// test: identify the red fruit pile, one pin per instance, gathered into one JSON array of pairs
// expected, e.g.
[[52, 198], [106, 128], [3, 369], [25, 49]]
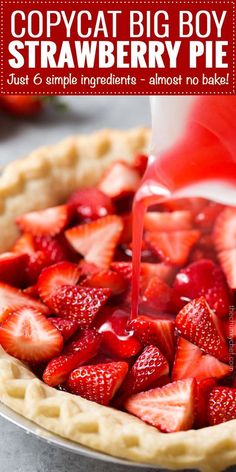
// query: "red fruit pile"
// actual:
[[65, 293]]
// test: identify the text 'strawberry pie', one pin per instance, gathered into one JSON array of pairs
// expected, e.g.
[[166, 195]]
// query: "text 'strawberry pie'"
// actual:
[[158, 389]]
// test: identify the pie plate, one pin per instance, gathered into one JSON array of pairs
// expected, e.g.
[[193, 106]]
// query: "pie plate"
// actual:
[[46, 178]]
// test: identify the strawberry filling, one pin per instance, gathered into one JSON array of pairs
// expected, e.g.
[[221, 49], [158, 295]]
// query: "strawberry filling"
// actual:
[[65, 303]]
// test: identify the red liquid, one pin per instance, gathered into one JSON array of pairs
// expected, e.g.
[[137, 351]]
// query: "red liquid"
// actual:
[[206, 153]]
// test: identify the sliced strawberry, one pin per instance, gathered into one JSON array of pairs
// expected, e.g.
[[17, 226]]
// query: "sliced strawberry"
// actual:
[[190, 361], [157, 295], [140, 163], [202, 278], [198, 323], [227, 260], [91, 204], [13, 268], [66, 327], [150, 366], [107, 279], [204, 387], [225, 230], [120, 180], [97, 383], [161, 270], [173, 247], [194, 205], [159, 332], [170, 408], [75, 353], [55, 249], [97, 241], [24, 244], [54, 277], [80, 303], [166, 221], [11, 298], [28, 335], [116, 339], [45, 222], [222, 405], [37, 260], [149, 270], [205, 220], [123, 268], [87, 268]]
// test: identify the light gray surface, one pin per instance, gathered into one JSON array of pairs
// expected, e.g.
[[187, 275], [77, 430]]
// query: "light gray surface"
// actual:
[[84, 114], [18, 451]]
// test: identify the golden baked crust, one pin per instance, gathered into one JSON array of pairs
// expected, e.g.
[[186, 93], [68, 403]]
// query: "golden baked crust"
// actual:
[[46, 178]]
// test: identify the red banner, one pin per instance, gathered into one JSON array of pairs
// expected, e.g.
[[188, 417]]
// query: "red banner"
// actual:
[[117, 47]]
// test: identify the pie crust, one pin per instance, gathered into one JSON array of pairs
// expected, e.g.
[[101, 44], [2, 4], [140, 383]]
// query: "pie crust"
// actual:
[[43, 179]]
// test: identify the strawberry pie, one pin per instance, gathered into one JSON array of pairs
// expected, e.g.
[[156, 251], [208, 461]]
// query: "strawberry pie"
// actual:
[[158, 388]]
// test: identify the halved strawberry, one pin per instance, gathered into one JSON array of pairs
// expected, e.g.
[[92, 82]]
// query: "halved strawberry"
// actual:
[[54, 277], [204, 387], [77, 352], [222, 405], [45, 222], [116, 339], [120, 180], [167, 221], [170, 408], [97, 383], [173, 247], [66, 327], [157, 295], [202, 278], [97, 241], [13, 268], [159, 332], [106, 279], [80, 303], [91, 204], [227, 260], [12, 298], [225, 230], [150, 366], [198, 323], [190, 361], [28, 335]]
